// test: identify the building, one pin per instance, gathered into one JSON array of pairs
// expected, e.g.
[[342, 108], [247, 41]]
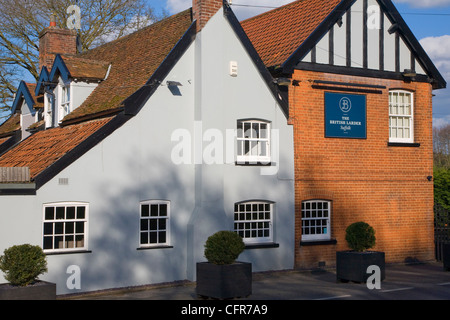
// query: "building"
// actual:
[[360, 98], [286, 128], [144, 147]]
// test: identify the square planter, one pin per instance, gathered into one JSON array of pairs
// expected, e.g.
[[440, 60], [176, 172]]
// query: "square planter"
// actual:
[[40, 290], [446, 256], [352, 265], [224, 281]]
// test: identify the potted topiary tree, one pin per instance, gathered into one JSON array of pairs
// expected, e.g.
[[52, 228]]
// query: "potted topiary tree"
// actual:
[[22, 265], [352, 265], [222, 277]]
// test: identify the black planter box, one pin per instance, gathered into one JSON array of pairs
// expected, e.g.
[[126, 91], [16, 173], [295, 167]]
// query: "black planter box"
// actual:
[[40, 290], [224, 281], [352, 265], [446, 256]]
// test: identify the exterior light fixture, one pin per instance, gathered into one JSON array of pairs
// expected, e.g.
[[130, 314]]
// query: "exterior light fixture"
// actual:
[[408, 73], [173, 84], [282, 81]]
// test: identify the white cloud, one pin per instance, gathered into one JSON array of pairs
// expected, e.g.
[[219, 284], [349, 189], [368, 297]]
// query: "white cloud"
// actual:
[[255, 7], [175, 6], [242, 8], [438, 49], [425, 3]]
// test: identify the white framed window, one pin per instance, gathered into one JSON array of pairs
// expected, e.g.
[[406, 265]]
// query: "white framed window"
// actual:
[[65, 226], [401, 120], [316, 220], [64, 106], [48, 110], [154, 223], [253, 141], [253, 221]]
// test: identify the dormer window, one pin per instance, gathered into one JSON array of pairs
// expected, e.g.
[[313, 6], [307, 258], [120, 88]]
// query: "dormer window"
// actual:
[[64, 101], [48, 109]]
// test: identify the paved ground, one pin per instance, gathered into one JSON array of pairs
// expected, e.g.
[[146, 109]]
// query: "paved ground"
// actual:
[[403, 282]]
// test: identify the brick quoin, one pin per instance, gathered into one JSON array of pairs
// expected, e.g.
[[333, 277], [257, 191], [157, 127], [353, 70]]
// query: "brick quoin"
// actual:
[[365, 179]]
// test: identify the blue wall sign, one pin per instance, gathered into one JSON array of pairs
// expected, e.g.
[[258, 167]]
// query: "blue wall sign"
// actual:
[[345, 115]]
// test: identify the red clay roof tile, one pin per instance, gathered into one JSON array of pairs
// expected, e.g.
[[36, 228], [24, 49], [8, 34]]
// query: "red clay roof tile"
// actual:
[[134, 58], [10, 125], [44, 148], [278, 33]]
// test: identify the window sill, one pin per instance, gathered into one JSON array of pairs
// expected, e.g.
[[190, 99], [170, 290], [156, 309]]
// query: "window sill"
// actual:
[[317, 242], [155, 247], [262, 245], [254, 163], [54, 253], [403, 144]]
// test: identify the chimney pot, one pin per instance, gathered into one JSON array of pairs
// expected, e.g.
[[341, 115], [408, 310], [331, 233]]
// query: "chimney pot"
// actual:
[[53, 20]]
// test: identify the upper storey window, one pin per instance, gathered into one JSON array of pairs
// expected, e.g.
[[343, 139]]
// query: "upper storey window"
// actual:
[[253, 141], [401, 119], [64, 101]]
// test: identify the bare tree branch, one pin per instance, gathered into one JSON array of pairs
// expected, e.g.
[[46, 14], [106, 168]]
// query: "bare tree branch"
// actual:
[[21, 21]]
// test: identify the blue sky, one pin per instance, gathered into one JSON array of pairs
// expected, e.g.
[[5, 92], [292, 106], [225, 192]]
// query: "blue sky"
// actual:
[[429, 20]]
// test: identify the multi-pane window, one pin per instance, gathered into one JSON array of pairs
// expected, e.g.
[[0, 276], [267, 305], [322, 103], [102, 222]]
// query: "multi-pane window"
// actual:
[[154, 223], [253, 221], [253, 141], [316, 220], [65, 226], [401, 116], [65, 101]]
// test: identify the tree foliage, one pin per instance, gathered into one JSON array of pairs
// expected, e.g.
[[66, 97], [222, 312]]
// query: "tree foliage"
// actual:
[[441, 147], [360, 236], [223, 247], [21, 21], [23, 264], [442, 187], [441, 155]]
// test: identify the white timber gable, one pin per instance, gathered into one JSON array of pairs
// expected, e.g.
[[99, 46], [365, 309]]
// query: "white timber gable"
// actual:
[[365, 37]]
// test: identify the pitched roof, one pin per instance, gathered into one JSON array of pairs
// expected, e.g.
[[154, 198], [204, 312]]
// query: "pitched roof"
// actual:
[[134, 58], [10, 125], [278, 33], [285, 35], [88, 69], [44, 148], [26, 91]]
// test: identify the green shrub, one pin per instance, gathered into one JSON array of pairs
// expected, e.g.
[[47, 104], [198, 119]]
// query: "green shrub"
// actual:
[[223, 247], [22, 264], [360, 236]]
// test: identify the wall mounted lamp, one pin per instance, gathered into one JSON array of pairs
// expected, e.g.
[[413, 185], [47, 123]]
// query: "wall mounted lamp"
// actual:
[[408, 73], [173, 84], [282, 81]]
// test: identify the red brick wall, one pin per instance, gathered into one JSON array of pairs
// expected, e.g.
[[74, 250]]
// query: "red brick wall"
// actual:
[[365, 179], [203, 10], [52, 41]]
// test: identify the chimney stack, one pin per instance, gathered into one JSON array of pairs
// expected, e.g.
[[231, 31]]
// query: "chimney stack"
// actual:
[[203, 10], [54, 40]]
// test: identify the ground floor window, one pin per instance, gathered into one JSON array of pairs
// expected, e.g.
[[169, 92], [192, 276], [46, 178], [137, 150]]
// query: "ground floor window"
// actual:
[[316, 220], [65, 226], [253, 221], [154, 223]]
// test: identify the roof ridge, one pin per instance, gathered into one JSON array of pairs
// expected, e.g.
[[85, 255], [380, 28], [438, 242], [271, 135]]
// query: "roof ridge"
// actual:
[[274, 10], [123, 38]]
